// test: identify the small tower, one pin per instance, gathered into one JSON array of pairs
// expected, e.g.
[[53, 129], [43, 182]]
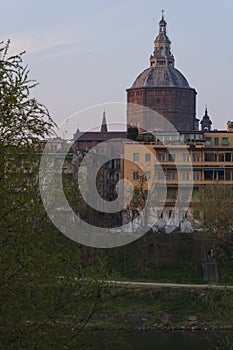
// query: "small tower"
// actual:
[[104, 128], [206, 122]]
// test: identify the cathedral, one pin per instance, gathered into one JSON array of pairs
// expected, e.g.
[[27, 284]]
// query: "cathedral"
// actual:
[[159, 99], [163, 89]]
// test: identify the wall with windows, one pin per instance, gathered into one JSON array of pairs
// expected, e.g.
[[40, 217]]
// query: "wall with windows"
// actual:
[[205, 158]]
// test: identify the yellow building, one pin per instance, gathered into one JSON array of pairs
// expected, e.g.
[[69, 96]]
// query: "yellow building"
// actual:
[[180, 163]]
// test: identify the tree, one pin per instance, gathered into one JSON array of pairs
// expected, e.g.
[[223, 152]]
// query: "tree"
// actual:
[[132, 133], [212, 210], [22, 118], [44, 301]]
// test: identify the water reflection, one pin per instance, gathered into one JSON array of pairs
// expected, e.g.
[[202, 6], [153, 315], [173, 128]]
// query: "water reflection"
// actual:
[[102, 340]]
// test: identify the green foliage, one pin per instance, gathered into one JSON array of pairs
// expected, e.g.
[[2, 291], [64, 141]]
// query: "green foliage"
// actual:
[[46, 296], [22, 118], [132, 133], [213, 211], [173, 258], [145, 138], [214, 206]]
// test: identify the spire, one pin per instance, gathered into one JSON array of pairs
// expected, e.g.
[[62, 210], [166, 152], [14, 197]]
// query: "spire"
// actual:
[[163, 14], [104, 128], [162, 56], [206, 121]]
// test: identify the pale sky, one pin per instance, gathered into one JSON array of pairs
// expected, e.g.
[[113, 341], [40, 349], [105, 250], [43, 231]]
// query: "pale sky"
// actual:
[[85, 53]]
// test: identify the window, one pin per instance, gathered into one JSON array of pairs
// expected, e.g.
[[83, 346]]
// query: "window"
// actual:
[[198, 137], [225, 141], [135, 175], [135, 192], [171, 175], [208, 175], [209, 157], [208, 141], [221, 157], [161, 157], [147, 175], [220, 174], [216, 141], [185, 175], [196, 157], [136, 157], [185, 157], [171, 157], [147, 157], [196, 175], [228, 157], [161, 48]]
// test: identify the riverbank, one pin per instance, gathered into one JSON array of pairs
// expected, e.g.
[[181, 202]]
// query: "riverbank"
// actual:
[[166, 309]]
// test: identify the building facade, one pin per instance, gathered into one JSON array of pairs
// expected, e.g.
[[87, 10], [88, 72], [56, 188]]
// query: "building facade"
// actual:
[[182, 163]]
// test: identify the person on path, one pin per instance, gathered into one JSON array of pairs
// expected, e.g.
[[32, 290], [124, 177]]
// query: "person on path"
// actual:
[[212, 254]]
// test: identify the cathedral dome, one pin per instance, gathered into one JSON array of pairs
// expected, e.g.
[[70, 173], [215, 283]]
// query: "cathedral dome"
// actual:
[[161, 77], [162, 72], [164, 89]]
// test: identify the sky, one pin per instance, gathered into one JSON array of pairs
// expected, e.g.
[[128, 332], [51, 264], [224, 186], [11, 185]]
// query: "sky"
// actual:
[[86, 53]]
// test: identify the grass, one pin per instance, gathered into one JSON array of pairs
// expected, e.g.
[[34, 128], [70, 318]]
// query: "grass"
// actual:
[[164, 275]]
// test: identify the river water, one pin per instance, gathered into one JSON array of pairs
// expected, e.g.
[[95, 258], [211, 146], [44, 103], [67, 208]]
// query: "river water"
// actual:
[[151, 340]]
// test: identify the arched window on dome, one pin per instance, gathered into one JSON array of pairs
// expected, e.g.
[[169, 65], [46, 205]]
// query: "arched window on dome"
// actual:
[[161, 51]]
